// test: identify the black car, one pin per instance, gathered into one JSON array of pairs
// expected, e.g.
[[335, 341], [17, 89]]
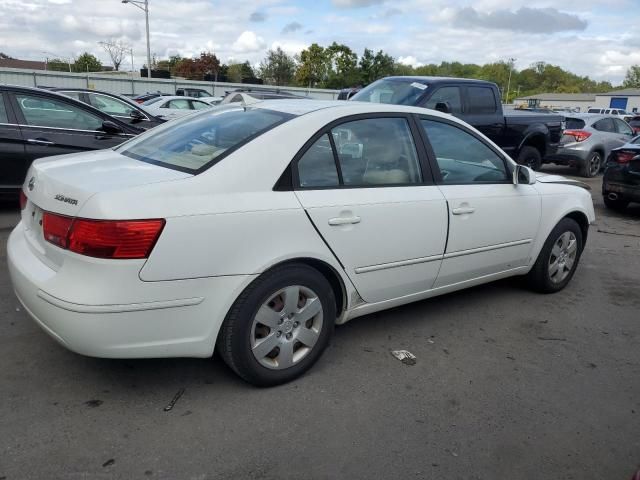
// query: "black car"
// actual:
[[621, 180], [37, 123], [122, 108]]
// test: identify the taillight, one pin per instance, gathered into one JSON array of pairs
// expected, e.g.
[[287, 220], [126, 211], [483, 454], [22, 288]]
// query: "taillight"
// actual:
[[56, 228], [117, 239], [579, 135], [23, 200], [624, 156]]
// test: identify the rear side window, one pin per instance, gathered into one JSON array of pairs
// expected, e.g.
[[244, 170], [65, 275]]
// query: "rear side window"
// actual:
[[317, 167], [605, 125], [448, 95], [48, 112], [575, 123], [74, 95], [198, 141], [3, 110], [481, 100], [118, 108], [181, 104]]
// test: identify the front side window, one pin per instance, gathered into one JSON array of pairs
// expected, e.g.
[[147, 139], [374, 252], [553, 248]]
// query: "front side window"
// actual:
[[74, 95], [198, 141], [622, 127], [481, 100], [48, 112], [110, 105], [197, 105], [317, 167], [448, 95], [180, 104], [3, 111], [461, 157], [369, 152]]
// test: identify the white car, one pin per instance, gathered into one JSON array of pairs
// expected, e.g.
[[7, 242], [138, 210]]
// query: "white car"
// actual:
[[213, 101], [255, 229], [171, 107]]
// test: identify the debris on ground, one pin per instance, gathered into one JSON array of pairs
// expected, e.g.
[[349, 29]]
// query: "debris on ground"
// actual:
[[611, 232], [93, 403], [109, 462], [173, 401], [404, 356], [559, 339]]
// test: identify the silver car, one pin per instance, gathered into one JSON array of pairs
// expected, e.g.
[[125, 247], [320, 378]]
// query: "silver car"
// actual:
[[588, 140]]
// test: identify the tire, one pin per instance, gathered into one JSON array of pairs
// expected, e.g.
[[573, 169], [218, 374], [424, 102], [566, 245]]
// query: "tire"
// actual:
[[530, 157], [592, 166], [618, 204], [288, 343], [557, 251]]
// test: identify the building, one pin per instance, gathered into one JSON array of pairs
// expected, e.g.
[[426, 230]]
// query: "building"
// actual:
[[578, 102], [627, 99], [25, 64]]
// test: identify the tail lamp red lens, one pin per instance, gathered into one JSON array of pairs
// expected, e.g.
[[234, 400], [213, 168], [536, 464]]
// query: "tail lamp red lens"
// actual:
[[117, 239], [625, 156], [23, 200], [579, 135]]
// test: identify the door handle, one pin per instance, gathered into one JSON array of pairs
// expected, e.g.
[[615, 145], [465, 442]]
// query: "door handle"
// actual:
[[37, 141], [463, 210], [344, 220]]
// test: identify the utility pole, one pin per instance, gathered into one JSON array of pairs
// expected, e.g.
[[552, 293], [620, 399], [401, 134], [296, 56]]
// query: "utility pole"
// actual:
[[144, 6], [511, 63]]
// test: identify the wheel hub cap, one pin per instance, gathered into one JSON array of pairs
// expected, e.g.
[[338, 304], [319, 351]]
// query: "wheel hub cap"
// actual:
[[563, 257]]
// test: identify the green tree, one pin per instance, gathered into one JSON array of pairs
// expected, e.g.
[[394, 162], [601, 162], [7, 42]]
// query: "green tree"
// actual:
[[234, 73], [632, 78], [313, 66], [342, 66], [86, 63], [373, 67], [277, 68], [57, 65]]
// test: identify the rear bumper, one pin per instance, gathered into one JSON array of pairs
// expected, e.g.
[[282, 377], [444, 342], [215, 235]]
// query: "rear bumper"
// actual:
[[567, 157], [172, 319], [628, 192]]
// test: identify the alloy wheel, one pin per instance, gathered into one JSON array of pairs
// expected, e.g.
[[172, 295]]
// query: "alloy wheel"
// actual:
[[563, 257], [594, 164]]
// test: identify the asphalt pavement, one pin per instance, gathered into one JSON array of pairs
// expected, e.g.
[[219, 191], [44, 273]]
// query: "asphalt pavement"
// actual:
[[508, 384]]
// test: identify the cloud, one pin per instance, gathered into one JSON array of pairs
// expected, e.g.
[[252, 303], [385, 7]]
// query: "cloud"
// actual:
[[525, 19], [410, 60], [248, 42], [356, 3], [392, 12], [257, 17], [291, 27]]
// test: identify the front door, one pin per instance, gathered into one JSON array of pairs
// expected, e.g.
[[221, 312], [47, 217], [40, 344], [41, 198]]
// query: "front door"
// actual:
[[13, 164], [492, 222], [364, 186]]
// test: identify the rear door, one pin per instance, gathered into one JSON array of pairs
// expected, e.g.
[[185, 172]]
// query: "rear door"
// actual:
[[625, 131], [52, 126], [13, 162], [492, 222], [367, 188]]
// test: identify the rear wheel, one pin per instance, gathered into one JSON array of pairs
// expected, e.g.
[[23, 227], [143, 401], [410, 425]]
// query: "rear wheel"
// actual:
[[558, 259], [530, 157], [279, 326], [592, 166], [617, 204]]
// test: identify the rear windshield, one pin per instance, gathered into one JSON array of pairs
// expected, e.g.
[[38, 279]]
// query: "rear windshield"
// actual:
[[574, 123], [196, 142], [397, 92]]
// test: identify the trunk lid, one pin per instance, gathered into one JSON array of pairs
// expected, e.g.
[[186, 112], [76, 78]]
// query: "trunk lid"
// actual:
[[63, 184]]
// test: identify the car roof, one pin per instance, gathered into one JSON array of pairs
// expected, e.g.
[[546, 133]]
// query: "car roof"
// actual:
[[588, 116], [434, 80], [178, 97]]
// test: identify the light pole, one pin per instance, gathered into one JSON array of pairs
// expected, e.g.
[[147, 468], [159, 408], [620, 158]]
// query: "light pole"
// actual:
[[511, 62], [144, 6]]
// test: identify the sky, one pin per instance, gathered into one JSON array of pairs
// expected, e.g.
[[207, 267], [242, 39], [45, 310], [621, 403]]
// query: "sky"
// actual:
[[598, 38]]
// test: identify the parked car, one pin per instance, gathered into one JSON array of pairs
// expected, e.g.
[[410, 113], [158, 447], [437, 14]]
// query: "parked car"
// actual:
[[122, 108], [347, 93], [255, 229], [38, 123], [526, 136], [249, 96], [621, 180], [192, 92], [212, 100], [145, 97], [634, 123], [170, 107], [618, 112], [588, 141]]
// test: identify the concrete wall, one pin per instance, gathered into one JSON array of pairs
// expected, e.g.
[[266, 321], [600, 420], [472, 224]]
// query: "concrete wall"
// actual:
[[134, 85], [604, 101]]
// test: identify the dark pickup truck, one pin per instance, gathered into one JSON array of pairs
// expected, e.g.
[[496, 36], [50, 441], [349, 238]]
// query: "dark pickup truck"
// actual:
[[527, 137]]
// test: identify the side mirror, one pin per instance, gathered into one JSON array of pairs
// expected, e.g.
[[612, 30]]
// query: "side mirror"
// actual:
[[523, 175], [111, 128], [443, 107], [137, 115]]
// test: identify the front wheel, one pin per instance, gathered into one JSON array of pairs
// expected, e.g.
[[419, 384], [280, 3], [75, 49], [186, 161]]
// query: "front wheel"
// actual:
[[530, 157], [279, 326], [558, 259]]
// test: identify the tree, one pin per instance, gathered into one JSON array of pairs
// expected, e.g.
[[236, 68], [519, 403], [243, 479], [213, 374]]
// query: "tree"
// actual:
[[86, 63], [234, 73], [313, 66], [342, 66], [4, 56], [116, 50], [277, 68], [373, 67], [57, 65], [206, 66], [632, 78]]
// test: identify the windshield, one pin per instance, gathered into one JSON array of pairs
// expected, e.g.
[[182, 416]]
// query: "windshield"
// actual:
[[395, 91], [198, 141]]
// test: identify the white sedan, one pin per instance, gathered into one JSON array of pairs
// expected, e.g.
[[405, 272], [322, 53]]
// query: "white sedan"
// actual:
[[171, 107], [255, 229]]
